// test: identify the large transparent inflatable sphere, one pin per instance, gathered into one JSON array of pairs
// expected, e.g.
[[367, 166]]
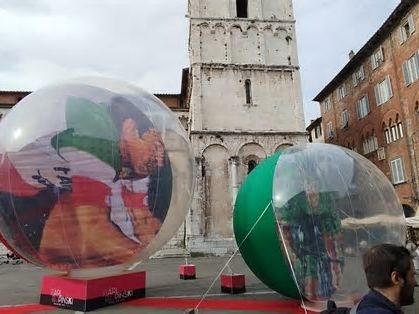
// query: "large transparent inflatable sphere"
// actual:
[[95, 174], [330, 205]]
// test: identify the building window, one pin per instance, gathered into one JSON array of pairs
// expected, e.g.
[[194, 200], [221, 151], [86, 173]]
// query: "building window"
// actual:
[[358, 76], [370, 144], [407, 29], [318, 131], [251, 165], [388, 135], [330, 132], [341, 92], [241, 6], [397, 171], [411, 69], [377, 58], [327, 105], [363, 107], [383, 91], [344, 119], [400, 129], [393, 132], [248, 87], [203, 168]]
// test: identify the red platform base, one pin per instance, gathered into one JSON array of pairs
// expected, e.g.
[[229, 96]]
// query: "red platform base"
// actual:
[[90, 294], [233, 284], [187, 272]]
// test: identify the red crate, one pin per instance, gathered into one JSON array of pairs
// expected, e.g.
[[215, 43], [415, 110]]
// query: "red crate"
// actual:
[[187, 272]]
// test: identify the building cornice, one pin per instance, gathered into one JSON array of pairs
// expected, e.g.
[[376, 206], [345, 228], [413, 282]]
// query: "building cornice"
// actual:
[[314, 124], [223, 132], [9, 92], [240, 20], [258, 67]]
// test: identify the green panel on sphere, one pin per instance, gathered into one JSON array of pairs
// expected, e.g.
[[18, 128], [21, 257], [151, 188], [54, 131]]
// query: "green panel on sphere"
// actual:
[[262, 249]]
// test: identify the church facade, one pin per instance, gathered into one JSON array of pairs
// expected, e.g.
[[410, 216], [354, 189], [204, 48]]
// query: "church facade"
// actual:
[[245, 104]]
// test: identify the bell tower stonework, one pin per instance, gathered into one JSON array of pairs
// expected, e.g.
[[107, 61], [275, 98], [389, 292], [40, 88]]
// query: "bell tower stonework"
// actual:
[[245, 104]]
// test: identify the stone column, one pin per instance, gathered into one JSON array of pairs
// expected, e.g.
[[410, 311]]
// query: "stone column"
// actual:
[[234, 164]]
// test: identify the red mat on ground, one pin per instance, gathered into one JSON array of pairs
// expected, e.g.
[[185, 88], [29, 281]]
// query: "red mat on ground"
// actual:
[[25, 309], [291, 307], [274, 306]]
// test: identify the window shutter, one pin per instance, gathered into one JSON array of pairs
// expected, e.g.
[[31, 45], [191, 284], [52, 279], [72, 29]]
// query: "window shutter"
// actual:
[[400, 125], [354, 79], [395, 171], [400, 170], [416, 63], [406, 73], [382, 53], [402, 35], [411, 24], [361, 69], [390, 89], [377, 94], [373, 62], [394, 133]]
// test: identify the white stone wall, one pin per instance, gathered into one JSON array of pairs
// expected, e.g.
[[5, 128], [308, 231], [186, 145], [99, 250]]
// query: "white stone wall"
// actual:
[[257, 9], [227, 130], [275, 106], [225, 52], [219, 154], [243, 42]]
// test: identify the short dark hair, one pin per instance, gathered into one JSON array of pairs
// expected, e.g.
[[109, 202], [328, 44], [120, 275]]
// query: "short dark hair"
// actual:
[[381, 260]]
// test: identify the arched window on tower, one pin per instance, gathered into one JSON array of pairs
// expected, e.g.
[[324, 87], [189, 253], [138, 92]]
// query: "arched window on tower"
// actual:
[[241, 6], [248, 87], [251, 165]]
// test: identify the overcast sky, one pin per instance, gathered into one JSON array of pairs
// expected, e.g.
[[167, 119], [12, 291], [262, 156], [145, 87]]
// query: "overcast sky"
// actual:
[[145, 42]]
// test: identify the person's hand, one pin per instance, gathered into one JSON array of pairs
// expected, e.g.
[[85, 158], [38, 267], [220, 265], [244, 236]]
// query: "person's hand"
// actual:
[[145, 224], [154, 139], [145, 153]]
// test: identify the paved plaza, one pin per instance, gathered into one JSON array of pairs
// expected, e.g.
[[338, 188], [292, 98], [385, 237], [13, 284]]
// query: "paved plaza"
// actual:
[[165, 292], [20, 284]]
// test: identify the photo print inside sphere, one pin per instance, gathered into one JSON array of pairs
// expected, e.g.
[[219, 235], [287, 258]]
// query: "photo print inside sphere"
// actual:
[[86, 178], [330, 205]]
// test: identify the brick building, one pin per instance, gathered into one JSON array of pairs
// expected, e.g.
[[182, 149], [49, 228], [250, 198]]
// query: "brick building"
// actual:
[[372, 104], [178, 103]]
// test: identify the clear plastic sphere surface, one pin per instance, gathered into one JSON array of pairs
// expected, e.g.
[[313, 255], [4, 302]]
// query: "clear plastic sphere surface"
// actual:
[[331, 204], [94, 173]]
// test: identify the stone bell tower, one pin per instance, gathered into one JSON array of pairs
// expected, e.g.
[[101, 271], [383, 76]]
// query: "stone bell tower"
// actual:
[[245, 104]]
